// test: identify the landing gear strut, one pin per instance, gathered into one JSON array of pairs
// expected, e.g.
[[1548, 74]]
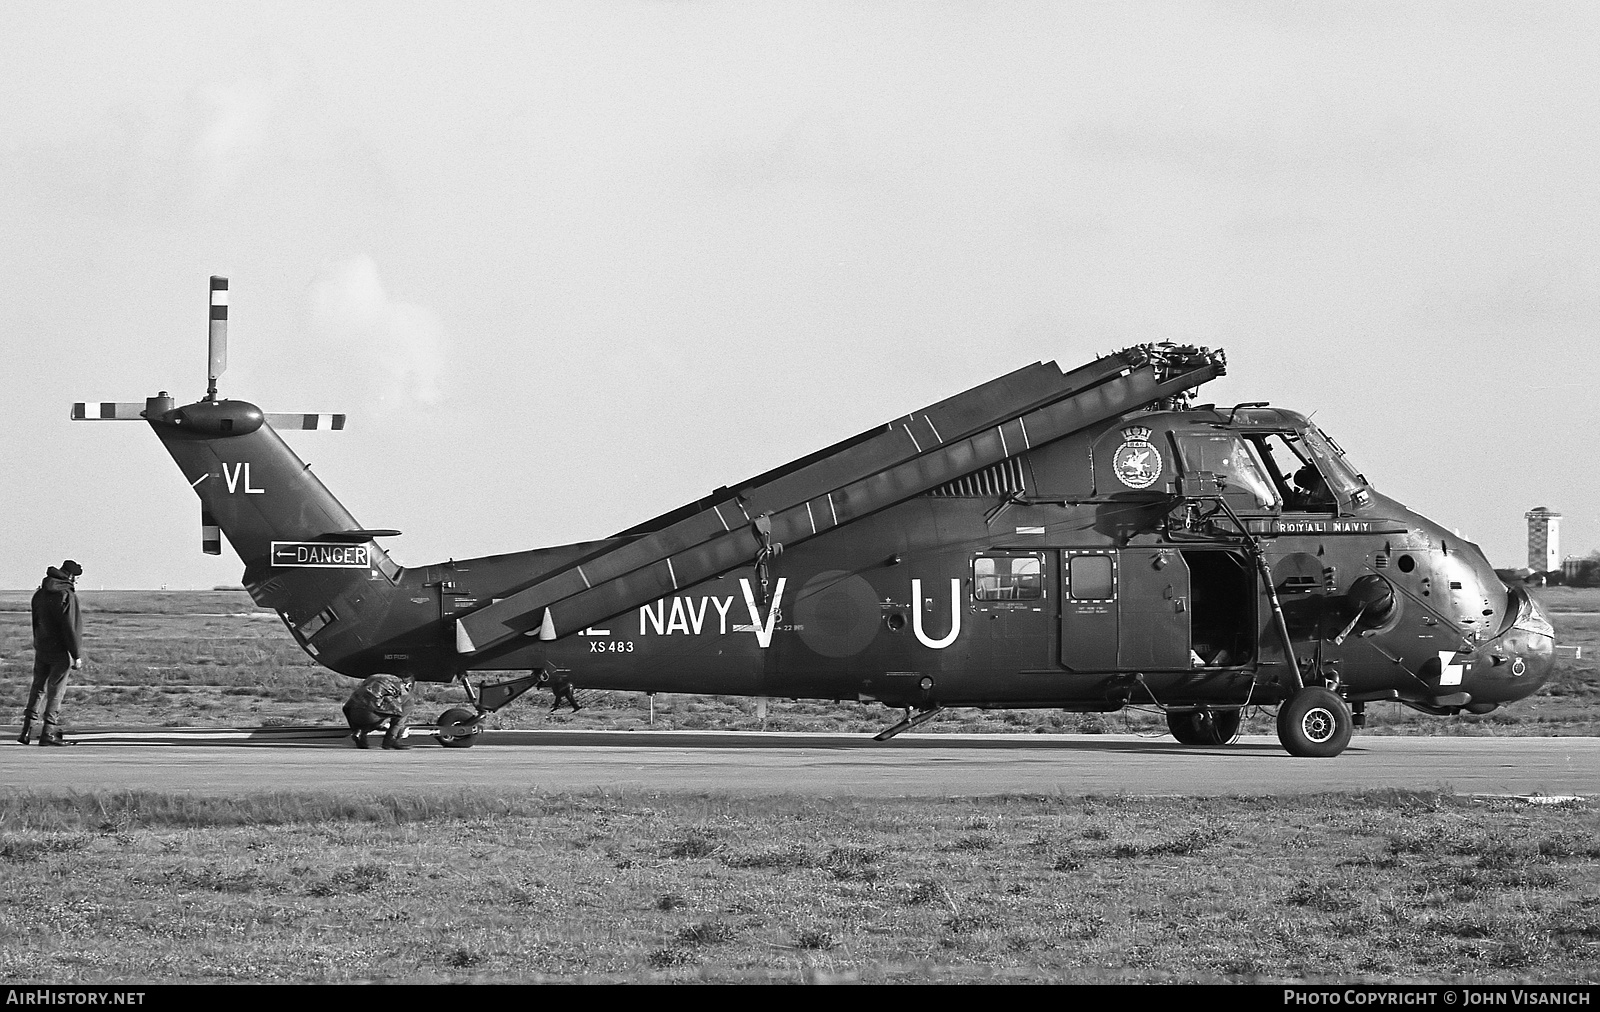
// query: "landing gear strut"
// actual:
[[1314, 723], [458, 726], [910, 721]]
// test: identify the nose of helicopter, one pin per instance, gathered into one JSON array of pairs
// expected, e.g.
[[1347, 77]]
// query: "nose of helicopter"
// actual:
[[1541, 642], [1525, 654]]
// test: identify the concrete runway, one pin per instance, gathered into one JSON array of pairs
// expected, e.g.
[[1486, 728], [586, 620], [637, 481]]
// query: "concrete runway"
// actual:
[[247, 761]]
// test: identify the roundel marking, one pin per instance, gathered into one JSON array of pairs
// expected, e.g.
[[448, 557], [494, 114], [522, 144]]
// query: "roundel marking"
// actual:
[[837, 613]]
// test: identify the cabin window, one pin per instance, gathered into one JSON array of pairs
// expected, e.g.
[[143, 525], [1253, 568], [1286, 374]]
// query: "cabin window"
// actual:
[[1230, 458], [1091, 578], [1008, 577]]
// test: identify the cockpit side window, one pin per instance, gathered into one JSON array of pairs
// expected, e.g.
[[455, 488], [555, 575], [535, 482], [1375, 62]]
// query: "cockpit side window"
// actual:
[[1232, 459], [1294, 472]]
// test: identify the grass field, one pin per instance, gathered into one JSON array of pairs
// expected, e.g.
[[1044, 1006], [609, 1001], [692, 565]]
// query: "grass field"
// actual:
[[519, 886], [211, 658]]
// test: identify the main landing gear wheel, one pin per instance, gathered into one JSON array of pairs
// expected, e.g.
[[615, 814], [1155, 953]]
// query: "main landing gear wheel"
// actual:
[[1204, 727], [1314, 723], [451, 732]]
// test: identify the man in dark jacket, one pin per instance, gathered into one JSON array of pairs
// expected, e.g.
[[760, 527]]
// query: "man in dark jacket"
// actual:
[[561, 688], [57, 649], [380, 701]]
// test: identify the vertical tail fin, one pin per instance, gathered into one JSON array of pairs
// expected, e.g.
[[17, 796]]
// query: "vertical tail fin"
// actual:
[[304, 554], [257, 491]]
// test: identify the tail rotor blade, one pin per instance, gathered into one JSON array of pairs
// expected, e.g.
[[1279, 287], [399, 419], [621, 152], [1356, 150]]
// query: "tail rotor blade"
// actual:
[[285, 420], [108, 411], [210, 533], [219, 334]]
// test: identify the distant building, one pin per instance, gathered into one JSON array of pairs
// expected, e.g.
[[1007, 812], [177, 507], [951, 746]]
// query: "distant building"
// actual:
[[1544, 539]]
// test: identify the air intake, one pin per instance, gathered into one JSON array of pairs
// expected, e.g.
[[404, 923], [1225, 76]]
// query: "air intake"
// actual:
[[1003, 478]]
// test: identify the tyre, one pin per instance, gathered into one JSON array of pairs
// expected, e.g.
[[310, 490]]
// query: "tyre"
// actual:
[[453, 718], [1314, 723], [1204, 727]]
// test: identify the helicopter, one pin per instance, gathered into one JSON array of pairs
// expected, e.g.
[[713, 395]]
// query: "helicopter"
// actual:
[[1083, 540]]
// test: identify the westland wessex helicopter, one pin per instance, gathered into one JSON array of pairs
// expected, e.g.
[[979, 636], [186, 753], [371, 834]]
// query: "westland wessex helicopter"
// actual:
[[1083, 541]]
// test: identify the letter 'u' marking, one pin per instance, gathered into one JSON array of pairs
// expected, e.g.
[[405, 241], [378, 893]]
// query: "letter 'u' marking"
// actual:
[[955, 615]]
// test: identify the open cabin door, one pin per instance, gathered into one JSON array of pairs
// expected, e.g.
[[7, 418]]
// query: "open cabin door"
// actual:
[[1154, 610]]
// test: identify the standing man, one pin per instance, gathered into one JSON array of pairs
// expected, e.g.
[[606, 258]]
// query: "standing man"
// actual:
[[57, 649], [380, 701]]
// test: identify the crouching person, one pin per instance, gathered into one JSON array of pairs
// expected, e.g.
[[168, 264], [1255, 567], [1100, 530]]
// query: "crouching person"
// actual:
[[382, 701]]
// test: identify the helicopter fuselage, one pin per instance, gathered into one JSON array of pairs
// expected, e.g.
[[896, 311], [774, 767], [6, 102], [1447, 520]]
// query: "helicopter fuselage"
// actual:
[[1075, 539], [1166, 557]]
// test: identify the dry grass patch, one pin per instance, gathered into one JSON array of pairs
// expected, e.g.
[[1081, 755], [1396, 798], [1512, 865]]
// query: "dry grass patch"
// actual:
[[523, 887]]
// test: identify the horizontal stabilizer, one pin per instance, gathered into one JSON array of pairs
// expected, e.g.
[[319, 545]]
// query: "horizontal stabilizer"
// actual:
[[108, 411], [287, 420]]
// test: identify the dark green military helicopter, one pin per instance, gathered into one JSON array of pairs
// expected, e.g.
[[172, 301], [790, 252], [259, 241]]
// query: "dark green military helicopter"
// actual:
[[1082, 540]]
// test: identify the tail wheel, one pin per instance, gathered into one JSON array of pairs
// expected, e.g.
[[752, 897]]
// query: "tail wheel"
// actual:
[[1314, 723], [1204, 727], [458, 727]]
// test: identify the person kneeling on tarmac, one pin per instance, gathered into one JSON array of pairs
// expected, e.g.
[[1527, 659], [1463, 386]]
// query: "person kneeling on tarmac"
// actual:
[[382, 701]]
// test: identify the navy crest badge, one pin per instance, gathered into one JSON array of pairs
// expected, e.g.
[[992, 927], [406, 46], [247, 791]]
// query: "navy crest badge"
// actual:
[[1137, 462]]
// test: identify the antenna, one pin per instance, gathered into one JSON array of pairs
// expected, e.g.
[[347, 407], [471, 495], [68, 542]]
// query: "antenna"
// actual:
[[219, 334]]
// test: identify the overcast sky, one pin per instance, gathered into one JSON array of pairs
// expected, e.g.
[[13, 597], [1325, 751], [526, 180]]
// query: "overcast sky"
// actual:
[[568, 266]]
